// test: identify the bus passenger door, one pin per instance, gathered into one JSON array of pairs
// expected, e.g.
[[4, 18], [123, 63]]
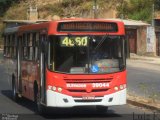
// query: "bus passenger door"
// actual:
[[43, 43]]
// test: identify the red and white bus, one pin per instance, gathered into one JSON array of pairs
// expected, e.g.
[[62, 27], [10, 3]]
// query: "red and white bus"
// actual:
[[68, 62]]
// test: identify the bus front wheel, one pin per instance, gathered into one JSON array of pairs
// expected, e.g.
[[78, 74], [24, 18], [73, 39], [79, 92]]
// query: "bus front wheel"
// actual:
[[40, 107]]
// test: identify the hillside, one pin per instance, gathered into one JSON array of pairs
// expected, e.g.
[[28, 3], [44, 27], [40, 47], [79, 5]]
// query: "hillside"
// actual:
[[62, 8]]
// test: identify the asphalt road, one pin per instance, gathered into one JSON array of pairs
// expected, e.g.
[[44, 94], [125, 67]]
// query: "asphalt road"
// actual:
[[26, 109], [143, 79]]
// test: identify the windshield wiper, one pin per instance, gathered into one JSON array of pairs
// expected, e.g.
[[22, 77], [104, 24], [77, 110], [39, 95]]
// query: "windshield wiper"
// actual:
[[100, 43]]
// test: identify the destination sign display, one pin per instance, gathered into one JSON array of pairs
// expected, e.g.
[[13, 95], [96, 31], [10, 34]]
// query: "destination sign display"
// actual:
[[87, 27], [74, 41]]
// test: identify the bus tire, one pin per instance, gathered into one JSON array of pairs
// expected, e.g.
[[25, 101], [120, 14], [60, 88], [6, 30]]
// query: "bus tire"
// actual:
[[41, 109], [14, 93], [101, 109], [39, 106]]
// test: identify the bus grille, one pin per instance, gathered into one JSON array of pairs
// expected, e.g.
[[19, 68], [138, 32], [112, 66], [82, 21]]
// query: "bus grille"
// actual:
[[87, 80], [96, 100], [94, 90]]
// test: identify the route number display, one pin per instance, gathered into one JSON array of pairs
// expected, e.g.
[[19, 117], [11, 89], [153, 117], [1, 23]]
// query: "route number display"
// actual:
[[74, 41]]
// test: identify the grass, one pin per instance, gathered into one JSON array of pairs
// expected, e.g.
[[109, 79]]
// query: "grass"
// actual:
[[149, 92]]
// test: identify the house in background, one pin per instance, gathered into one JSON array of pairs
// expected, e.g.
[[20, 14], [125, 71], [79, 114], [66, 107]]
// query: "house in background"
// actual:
[[137, 35], [140, 38], [157, 32]]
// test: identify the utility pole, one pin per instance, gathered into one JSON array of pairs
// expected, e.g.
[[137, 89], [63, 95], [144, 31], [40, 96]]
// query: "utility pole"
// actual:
[[32, 13], [122, 6], [95, 9], [153, 24]]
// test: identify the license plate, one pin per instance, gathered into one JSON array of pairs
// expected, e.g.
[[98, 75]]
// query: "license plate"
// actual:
[[88, 97]]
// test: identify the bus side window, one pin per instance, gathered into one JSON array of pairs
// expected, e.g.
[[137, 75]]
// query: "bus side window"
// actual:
[[5, 45], [9, 48], [35, 39], [13, 46], [30, 46], [33, 44], [37, 46], [25, 48]]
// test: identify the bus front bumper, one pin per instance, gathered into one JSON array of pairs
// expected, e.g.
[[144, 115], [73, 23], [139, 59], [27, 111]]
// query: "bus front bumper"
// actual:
[[55, 99]]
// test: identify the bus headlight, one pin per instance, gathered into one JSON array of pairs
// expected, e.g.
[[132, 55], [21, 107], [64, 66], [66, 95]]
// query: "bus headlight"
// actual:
[[49, 87], [59, 89], [116, 88], [121, 87], [54, 88]]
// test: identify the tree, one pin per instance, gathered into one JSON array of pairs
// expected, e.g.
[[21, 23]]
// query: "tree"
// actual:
[[5, 4], [157, 4], [137, 9]]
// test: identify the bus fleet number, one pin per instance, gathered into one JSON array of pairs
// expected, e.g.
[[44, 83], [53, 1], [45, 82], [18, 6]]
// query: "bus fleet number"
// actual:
[[99, 85]]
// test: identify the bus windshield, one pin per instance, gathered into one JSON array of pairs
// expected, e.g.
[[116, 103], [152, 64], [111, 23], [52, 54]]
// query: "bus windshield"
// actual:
[[86, 54]]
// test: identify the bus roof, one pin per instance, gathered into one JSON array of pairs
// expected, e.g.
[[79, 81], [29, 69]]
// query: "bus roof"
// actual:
[[52, 26], [11, 30]]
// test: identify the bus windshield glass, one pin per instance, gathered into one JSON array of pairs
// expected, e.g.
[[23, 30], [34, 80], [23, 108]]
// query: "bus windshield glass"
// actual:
[[86, 54]]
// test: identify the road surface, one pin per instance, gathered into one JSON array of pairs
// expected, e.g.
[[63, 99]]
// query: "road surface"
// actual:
[[143, 79]]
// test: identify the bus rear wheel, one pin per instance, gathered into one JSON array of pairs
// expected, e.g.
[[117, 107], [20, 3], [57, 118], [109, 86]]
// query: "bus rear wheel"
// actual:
[[14, 93], [101, 109]]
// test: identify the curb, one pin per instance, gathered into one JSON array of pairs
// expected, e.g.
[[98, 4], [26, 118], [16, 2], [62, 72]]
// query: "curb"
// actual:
[[156, 62], [142, 59], [144, 105]]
